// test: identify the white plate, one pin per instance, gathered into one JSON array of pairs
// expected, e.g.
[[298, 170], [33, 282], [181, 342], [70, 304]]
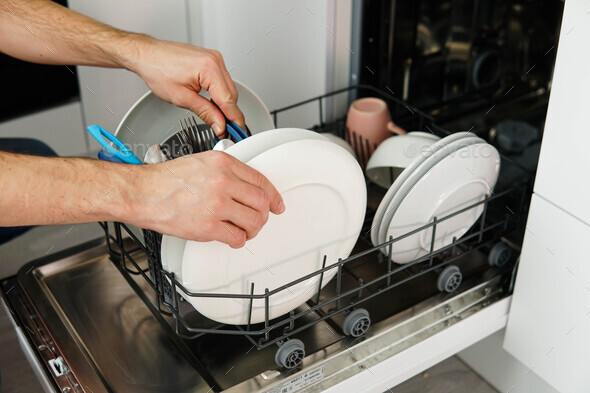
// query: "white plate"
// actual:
[[378, 229], [465, 175], [251, 147], [245, 150], [395, 154], [151, 120], [325, 197], [402, 188], [171, 252]]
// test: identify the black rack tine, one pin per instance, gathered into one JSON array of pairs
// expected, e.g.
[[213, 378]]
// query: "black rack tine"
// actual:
[[291, 322], [389, 261], [361, 286], [483, 218], [338, 284], [321, 279], [358, 140], [250, 306], [360, 291], [368, 150], [266, 313], [432, 242]]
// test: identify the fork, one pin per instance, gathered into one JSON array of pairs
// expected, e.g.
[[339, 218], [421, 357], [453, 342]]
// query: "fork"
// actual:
[[195, 137]]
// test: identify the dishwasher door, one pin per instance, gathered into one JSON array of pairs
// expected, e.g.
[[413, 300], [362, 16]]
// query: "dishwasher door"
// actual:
[[93, 332]]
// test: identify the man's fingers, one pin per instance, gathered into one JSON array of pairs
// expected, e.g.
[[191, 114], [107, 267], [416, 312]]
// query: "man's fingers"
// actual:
[[228, 79], [208, 112], [246, 218], [228, 233], [252, 176], [226, 100], [251, 196]]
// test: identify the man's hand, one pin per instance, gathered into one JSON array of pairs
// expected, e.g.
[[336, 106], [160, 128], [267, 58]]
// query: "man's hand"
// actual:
[[176, 72], [206, 196]]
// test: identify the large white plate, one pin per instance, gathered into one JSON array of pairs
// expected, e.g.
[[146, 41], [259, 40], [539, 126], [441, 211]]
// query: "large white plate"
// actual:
[[152, 121], [325, 197], [465, 175], [173, 247], [251, 147], [382, 215]]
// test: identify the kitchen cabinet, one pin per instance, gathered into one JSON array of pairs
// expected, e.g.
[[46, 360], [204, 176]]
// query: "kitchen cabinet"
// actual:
[[107, 94], [282, 50], [564, 164], [549, 319]]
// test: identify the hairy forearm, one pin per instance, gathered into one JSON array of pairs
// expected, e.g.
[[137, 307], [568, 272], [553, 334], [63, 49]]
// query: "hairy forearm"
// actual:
[[44, 32], [55, 190]]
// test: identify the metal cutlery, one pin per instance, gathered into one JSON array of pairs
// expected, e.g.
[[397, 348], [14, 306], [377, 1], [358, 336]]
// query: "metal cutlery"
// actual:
[[193, 138]]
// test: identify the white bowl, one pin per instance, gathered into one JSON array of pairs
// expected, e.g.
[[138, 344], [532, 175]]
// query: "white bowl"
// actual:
[[395, 154], [152, 121]]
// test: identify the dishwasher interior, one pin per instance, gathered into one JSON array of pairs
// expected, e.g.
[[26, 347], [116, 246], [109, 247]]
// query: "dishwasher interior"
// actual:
[[104, 317], [107, 317]]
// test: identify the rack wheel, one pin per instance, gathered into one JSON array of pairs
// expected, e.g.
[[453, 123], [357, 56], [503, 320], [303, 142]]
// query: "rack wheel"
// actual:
[[356, 323], [290, 354], [499, 254], [449, 279]]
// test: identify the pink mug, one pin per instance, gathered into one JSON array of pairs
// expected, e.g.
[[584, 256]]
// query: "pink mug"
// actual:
[[369, 119]]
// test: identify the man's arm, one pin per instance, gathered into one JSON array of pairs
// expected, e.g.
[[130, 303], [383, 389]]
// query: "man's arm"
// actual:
[[44, 32], [206, 196]]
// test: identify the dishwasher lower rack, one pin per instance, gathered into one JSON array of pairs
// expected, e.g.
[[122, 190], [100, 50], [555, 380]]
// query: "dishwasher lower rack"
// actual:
[[343, 298]]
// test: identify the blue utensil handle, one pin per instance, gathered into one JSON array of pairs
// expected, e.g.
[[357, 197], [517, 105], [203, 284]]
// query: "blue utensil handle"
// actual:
[[104, 155], [233, 133], [121, 151], [237, 128]]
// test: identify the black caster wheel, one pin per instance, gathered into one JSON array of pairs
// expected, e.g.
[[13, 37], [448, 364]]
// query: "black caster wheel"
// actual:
[[290, 354], [449, 279], [499, 254], [356, 323]]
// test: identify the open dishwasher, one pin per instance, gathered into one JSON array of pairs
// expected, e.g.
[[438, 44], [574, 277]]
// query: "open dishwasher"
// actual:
[[105, 316]]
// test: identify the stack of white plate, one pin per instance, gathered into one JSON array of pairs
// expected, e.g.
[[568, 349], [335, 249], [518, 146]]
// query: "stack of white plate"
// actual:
[[456, 172], [324, 192]]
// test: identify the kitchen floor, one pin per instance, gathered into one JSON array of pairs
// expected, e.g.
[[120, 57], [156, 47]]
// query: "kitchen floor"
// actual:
[[451, 375]]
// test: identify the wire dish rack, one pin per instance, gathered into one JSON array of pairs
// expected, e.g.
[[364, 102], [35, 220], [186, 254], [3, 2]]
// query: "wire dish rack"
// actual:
[[503, 212]]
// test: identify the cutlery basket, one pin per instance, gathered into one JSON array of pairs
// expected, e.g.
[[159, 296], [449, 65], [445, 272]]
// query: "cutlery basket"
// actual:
[[504, 212]]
